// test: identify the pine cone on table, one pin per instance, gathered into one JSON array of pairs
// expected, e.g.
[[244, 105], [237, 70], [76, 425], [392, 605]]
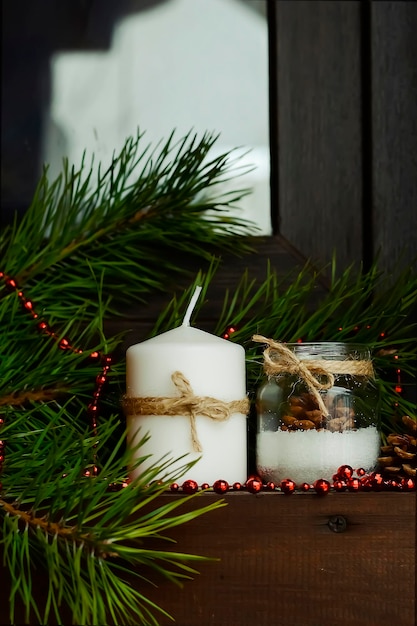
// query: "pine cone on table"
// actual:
[[399, 456]]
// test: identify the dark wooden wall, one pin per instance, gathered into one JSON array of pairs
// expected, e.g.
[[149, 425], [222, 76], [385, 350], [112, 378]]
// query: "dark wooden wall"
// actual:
[[344, 128], [343, 115]]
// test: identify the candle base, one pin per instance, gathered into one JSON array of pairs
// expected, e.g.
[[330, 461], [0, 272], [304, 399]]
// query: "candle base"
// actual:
[[170, 439]]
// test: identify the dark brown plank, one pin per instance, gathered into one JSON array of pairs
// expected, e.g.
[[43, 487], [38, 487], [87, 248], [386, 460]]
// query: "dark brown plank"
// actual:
[[318, 128], [280, 564], [394, 130]]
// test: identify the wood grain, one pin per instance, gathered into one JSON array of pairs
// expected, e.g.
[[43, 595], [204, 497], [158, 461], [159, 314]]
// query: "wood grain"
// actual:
[[275, 562], [394, 130], [280, 564], [274, 252], [319, 142]]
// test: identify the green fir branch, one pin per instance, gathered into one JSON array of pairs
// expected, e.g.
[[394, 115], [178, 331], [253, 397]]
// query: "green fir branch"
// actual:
[[93, 540], [129, 221], [357, 307]]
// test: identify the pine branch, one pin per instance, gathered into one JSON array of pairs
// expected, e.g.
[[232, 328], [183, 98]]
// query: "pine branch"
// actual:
[[358, 307], [127, 222], [92, 539]]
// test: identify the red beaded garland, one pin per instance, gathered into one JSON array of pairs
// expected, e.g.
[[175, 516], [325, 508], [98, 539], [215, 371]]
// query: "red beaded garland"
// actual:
[[367, 482], [64, 344], [342, 480]]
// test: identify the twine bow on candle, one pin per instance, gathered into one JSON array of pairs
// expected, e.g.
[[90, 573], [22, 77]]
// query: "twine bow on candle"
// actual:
[[185, 404], [309, 371]]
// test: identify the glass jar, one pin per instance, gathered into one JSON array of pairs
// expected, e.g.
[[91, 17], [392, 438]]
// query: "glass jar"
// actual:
[[316, 411]]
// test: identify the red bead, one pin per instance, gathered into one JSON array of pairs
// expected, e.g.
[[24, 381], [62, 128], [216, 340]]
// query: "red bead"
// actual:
[[287, 486], [339, 485], [409, 484], [106, 360], [270, 486], [64, 344], [353, 484], [392, 484], [94, 356], [237, 486], [377, 481], [174, 487], [345, 472], [321, 486], [189, 486], [92, 409], [360, 472], [28, 305], [205, 486], [305, 487], [101, 379], [1, 274], [221, 486], [254, 484], [43, 326], [366, 483], [10, 283]]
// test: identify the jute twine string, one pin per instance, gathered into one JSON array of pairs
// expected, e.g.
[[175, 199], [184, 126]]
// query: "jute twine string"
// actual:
[[185, 404], [278, 359]]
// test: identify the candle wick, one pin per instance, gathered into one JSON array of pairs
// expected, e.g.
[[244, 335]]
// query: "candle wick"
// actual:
[[190, 308]]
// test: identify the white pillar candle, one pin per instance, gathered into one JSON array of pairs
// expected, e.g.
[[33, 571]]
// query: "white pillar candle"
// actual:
[[215, 368]]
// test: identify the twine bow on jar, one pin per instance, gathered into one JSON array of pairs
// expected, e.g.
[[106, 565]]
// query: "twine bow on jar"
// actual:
[[318, 374], [185, 404]]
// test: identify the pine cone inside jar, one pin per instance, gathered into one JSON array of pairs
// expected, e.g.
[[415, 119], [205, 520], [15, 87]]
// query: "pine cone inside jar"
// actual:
[[399, 456]]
